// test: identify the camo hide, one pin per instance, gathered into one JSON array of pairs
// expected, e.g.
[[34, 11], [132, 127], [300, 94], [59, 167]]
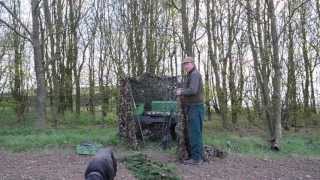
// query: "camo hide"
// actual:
[[183, 149], [211, 153], [126, 123], [147, 88], [144, 89]]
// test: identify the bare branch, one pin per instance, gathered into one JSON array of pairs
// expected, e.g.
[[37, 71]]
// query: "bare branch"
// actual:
[[15, 30], [195, 18], [15, 17], [291, 16], [173, 4]]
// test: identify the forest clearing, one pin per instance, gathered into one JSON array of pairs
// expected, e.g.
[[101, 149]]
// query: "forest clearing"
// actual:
[[171, 89]]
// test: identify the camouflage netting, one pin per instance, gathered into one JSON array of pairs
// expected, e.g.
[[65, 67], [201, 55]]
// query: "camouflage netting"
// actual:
[[210, 153], [127, 127], [148, 88], [183, 149], [143, 89]]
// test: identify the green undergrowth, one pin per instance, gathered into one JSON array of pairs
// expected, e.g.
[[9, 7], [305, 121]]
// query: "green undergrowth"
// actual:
[[71, 130], [69, 119], [146, 169], [290, 144], [75, 129], [26, 139]]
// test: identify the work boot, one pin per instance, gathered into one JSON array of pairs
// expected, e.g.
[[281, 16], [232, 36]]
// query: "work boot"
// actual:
[[192, 162]]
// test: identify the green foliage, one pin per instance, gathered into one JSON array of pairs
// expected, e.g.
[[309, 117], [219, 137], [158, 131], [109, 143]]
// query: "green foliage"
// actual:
[[76, 129], [9, 103], [291, 144], [88, 148], [236, 144], [111, 119], [301, 144], [85, 119], [8, 118], [24, 139], [146, 169], [71, 119], [314, 119], [8, 115]]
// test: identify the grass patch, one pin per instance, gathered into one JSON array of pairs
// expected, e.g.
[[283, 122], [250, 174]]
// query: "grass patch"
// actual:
[[146, 169], [8, 118], [156, 146], [291, 144], [26, 139], [76, 129], [68, 120], [298, 144], [87, 119], [73, 130]]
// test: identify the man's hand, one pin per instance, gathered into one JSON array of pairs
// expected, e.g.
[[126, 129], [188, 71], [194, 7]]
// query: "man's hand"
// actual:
[[178, 92]]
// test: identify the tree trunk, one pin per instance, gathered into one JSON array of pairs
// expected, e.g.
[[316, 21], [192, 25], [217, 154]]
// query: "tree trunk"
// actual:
[[254, 53], [291, 95], [92, 80], [18, 45], [150, 13], [59, 60], [276, 95], [272, 109], [72, 53], [212, 55], [207, 88], [306, 60], [318, 8], [77, 78], [231, 66], [56, 114], [185, 29], [78, 96], [188, 35], [312, 98], [38, 64]]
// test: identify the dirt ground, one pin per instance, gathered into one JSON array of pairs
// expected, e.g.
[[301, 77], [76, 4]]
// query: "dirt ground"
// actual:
[[66, 165], [48, 165]]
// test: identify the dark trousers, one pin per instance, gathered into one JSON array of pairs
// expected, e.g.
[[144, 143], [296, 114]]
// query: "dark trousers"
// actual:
[[195, 116]]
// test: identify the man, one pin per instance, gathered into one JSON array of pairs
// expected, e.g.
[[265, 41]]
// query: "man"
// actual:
[[192, 95]]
